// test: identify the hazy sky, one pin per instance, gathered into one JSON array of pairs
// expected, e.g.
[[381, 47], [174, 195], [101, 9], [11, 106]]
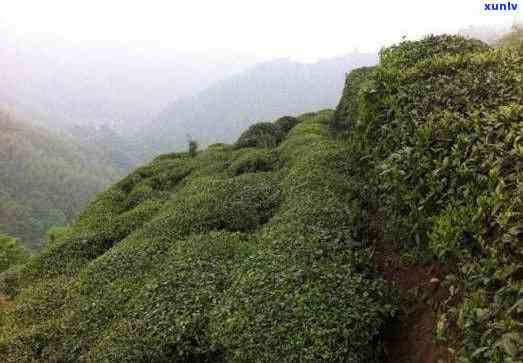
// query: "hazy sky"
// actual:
[[302, 30]]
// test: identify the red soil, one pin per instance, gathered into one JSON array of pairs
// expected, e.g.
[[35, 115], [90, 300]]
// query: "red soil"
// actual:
[[411, 338]]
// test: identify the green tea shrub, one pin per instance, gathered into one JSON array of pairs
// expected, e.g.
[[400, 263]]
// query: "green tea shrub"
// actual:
[[171, 156], [56, 234], [286, 123], [169, 179], [184, 290], [255, 160], [263, 134], [439, 125], [219, 146], [11, 252], [302, 307], [307, 116], [346, 115], [220, 257], [408, 53], [311, 280], [235, 204], [139, 194]]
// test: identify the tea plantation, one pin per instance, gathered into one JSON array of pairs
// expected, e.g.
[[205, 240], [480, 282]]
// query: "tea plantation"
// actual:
[[265, 250]]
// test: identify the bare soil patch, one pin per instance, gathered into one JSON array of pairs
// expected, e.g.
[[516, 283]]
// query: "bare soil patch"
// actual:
[[410, 339]]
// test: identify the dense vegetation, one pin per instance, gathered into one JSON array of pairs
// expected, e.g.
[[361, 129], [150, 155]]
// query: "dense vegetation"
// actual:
[[12, 253], [439, 132], [123, 152], [46, 178], [217, 257], [265, 250]]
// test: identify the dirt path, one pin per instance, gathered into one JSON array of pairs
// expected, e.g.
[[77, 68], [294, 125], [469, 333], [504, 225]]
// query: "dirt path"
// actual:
[[411, 338]]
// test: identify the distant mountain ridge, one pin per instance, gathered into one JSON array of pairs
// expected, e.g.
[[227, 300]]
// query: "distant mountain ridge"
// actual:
[[264, 92], [58, 84]]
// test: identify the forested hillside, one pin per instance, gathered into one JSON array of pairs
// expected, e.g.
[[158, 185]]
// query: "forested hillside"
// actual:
[[46, 178], [388, 230], [124, 151], [265, 92]]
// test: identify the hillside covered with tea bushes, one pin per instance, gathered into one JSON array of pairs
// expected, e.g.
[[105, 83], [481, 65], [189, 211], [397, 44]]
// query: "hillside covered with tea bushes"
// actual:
[[272, 249], [438, 129]]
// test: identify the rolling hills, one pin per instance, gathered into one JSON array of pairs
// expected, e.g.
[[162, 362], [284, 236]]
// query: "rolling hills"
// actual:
[[327, 237]]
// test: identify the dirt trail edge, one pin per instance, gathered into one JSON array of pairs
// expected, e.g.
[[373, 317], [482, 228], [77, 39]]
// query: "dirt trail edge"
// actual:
[[411, 337]]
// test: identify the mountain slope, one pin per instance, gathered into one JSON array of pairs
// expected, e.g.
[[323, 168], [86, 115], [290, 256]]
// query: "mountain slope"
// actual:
[[123, 151], [262, 93], [45, 178], [201, 235], [296, 243]]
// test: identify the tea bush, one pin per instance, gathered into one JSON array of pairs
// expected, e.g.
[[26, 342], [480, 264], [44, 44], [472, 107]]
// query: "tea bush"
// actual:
[[234, 254], [263, 134], [439, 122], [252, 161], [11, 252], [286, 123]]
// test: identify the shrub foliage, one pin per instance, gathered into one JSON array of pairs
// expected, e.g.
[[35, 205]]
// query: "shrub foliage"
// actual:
[[438, 126], [234, 255], [12, 253], [263, 251], [263, 134]]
